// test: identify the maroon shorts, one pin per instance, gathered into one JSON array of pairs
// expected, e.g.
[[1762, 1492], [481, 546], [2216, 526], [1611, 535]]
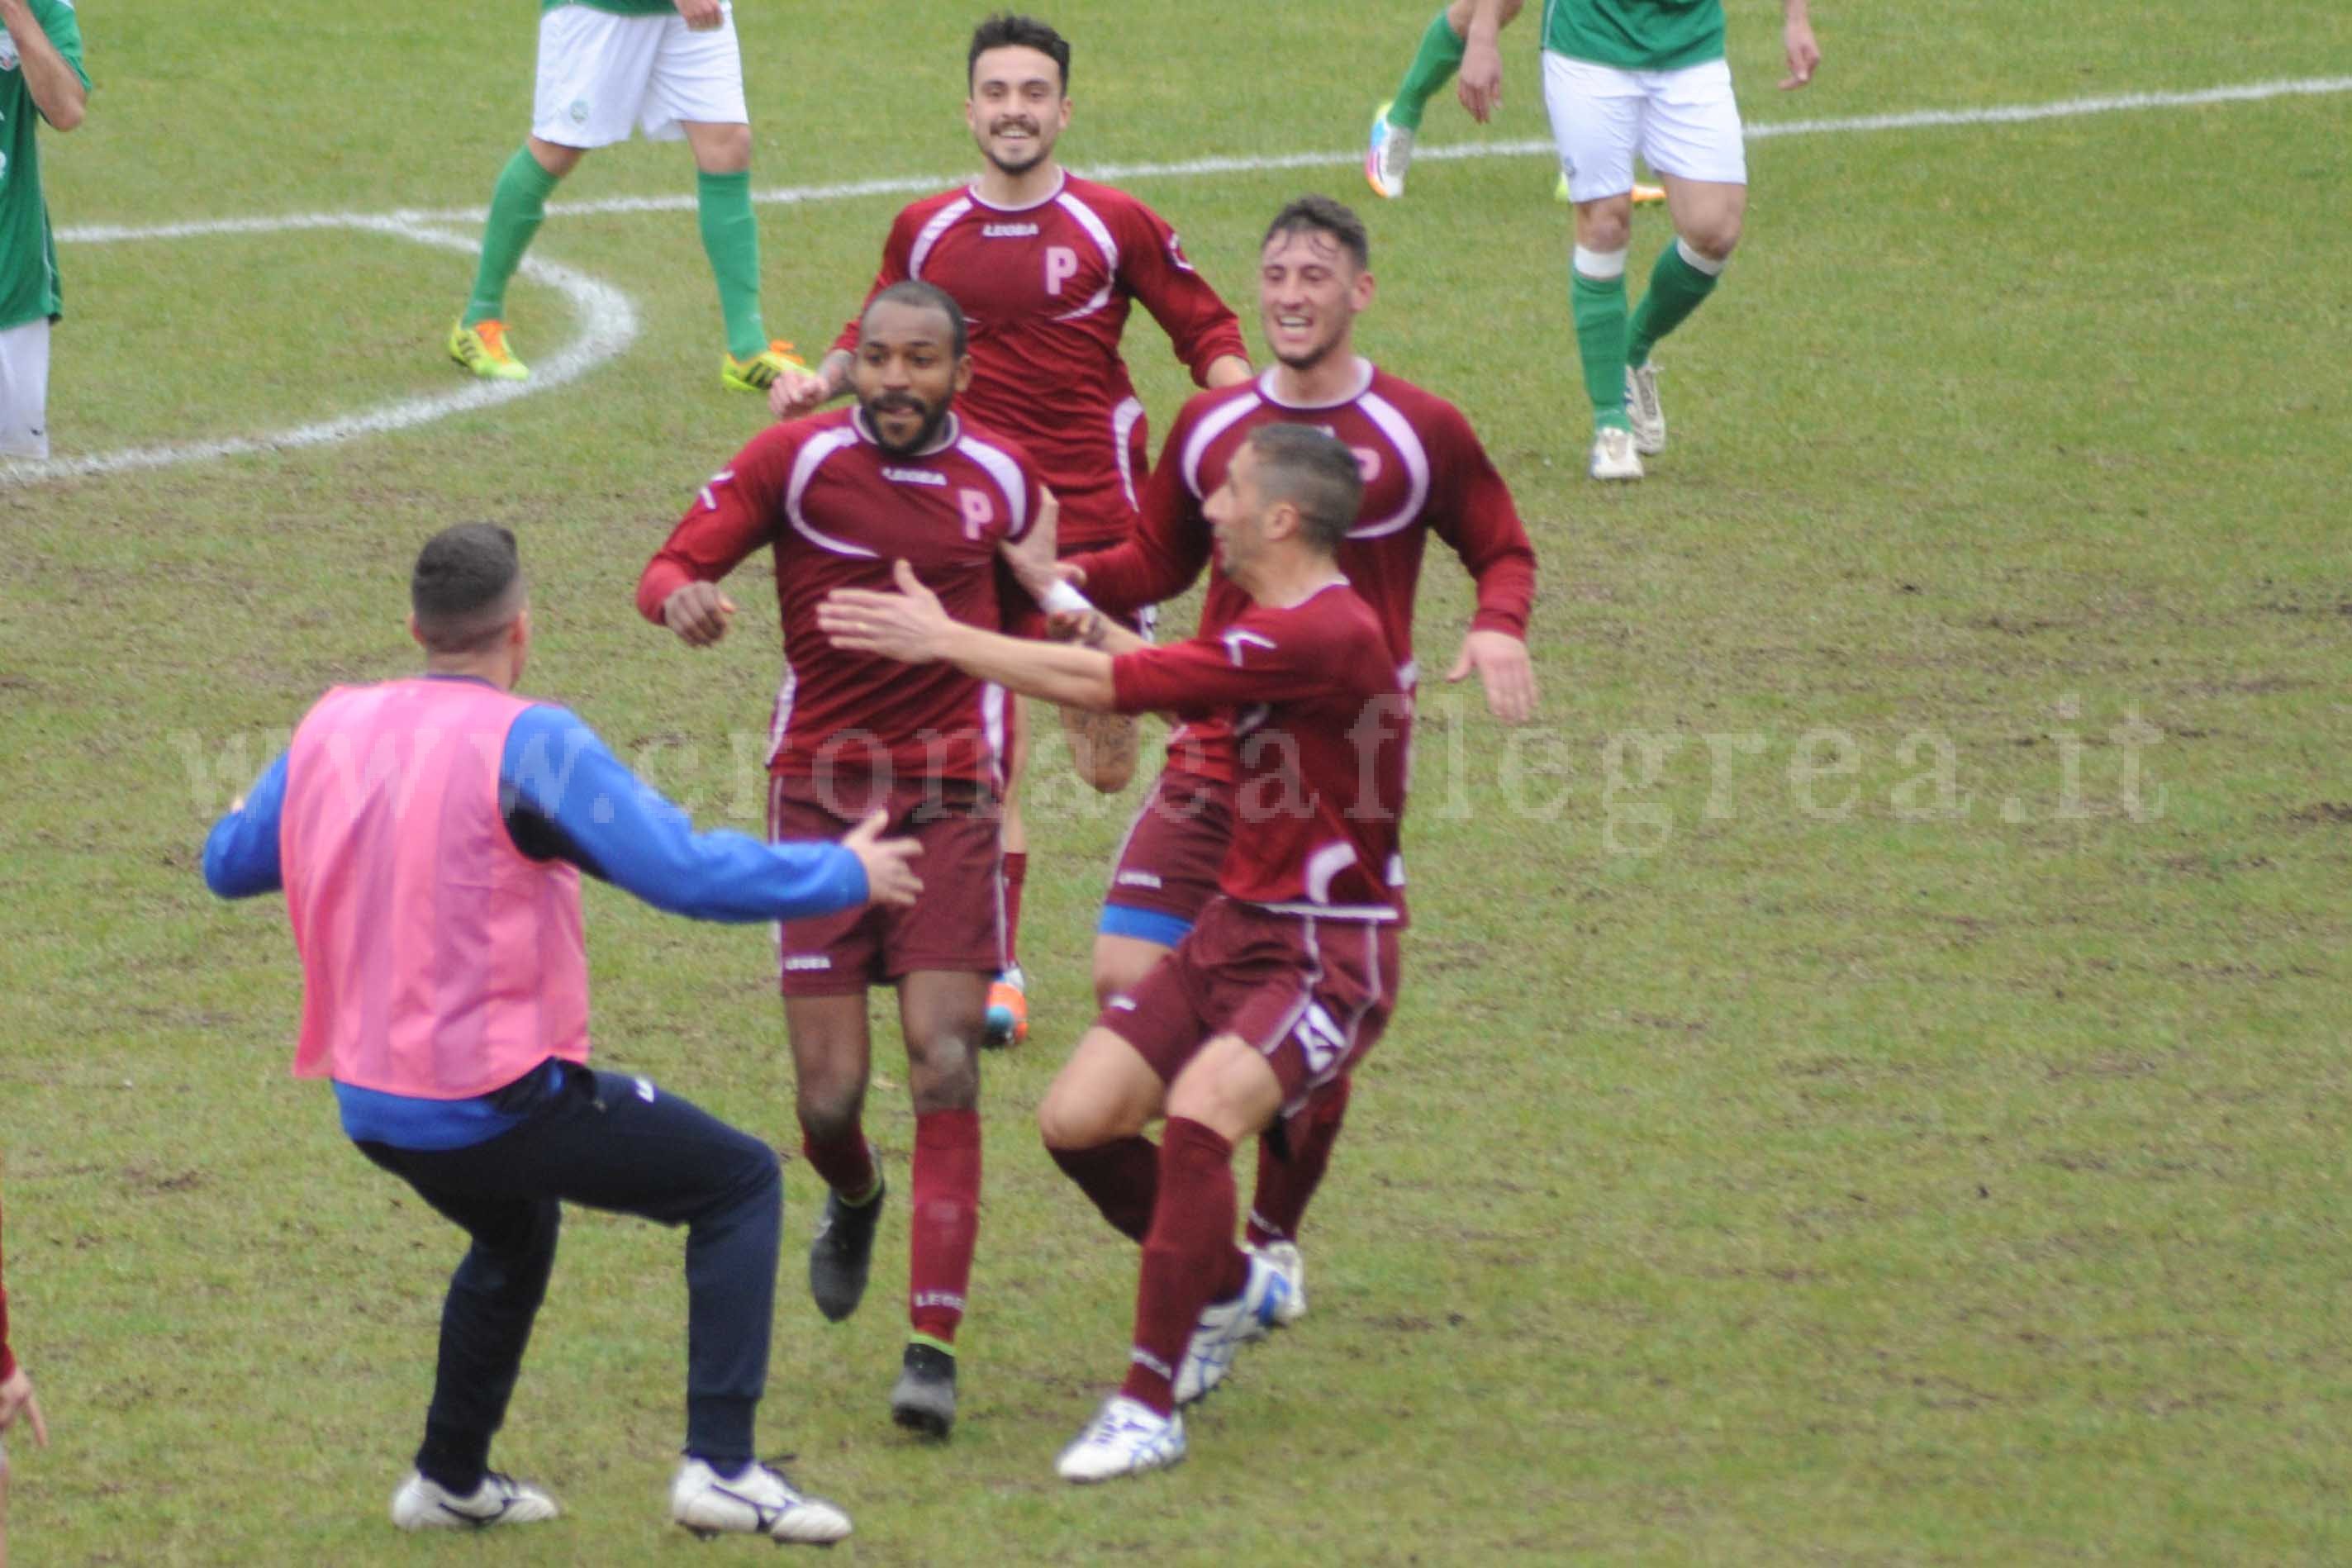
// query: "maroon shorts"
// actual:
[[1166, 870], [956, 924], [1311, 994]]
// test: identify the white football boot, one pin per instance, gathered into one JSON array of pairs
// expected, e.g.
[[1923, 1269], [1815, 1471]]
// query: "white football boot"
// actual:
[[1613, 457], [1225, 1327], [760, 1501], [420, 1504], [1643, 407], [1125, 1439], [1388, 155], [1283, 1256]]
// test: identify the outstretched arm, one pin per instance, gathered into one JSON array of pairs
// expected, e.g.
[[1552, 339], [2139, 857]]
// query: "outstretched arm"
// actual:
[[913, 626], [568, 797]]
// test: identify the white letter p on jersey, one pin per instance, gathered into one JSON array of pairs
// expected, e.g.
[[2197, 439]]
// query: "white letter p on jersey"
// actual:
[[1061, 265]]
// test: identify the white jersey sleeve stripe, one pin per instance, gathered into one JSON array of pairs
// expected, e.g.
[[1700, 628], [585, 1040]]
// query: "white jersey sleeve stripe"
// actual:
[[1400, 435], [1099, 232], [812, 458], [941, 221], [1208, 430]]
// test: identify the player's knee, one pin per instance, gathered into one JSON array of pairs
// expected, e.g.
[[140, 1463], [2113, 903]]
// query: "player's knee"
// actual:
[[829, 1113], [724, 149], [1605, 228], [1067, 1118], [944, 1074], [1715, 240]]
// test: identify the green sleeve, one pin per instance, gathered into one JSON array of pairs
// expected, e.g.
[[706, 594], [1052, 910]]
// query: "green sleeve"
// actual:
[[58, 20]]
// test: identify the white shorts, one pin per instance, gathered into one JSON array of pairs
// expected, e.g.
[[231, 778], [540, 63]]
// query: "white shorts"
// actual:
[[599, 73], [1683, 122], [25, 389]]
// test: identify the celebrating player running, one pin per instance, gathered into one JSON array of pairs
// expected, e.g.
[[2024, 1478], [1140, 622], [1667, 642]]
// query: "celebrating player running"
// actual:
[[1289, 977], [1046, 267], [839, 497], [1425, 472]]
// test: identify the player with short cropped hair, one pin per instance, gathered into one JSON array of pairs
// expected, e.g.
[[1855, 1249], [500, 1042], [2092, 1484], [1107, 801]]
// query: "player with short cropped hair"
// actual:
[[1425, 473], [428, 835], [901, 476], [1290, 974], [1047, 267], [41, 78], [670, 69], [1647, 76]]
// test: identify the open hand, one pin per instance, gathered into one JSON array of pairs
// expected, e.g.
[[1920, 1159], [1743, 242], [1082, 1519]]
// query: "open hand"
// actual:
[[889, 880], [910, 625]]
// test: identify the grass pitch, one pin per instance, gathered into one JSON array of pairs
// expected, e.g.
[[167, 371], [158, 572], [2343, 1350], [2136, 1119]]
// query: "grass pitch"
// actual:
[[1870, 1079]]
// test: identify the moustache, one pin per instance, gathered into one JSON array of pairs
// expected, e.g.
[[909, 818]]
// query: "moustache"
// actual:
[[1001, 126]]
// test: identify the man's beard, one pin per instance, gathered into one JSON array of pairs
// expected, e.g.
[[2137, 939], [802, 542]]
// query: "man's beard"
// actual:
[[1313, 356], [934, 418], [1036, 140]]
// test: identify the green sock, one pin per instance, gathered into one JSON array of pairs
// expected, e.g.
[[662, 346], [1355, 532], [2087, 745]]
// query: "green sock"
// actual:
[[518, 206], [1675, 288], [731, 237], [1598, 305], [1434, 65]]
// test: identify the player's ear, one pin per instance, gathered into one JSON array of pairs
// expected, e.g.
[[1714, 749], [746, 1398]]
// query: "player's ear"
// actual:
[[962, 371], [416, 631], [1360, 292]]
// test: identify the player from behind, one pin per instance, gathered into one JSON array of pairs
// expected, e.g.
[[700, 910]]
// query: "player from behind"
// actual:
[[838, 498], [670, 69], [1046, 267], [1290, 974], [1424, 473], [429, 834], [41, 80], [1648, 76]]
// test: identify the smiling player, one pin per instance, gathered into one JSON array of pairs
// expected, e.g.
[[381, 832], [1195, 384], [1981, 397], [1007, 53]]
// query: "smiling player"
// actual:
[[1046, 267], [838, 497]]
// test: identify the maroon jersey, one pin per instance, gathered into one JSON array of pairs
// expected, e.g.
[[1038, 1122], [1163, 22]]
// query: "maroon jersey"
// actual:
[[1423, 471], [1044, 291], [1319, 721], [838, 510]]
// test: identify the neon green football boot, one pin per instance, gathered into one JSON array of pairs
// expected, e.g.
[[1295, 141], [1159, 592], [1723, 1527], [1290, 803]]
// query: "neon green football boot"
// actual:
[[760, 372], [482, 349]]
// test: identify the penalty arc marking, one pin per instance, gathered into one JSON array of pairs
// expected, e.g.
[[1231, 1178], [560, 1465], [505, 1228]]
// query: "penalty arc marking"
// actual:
[[609, 317]]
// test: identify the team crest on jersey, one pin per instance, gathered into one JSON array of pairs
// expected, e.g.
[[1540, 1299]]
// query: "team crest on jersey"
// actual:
[[7, 51]]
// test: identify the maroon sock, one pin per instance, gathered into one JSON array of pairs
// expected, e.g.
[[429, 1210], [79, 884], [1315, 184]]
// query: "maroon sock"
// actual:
[[1187, 1258], [944, 1220], [1287, 1176], [1016, 871], [1121, 1176], [844, 1164]]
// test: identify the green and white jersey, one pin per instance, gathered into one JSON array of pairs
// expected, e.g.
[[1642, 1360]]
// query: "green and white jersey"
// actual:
[[618, 7], [29, 255], [1635, 35]]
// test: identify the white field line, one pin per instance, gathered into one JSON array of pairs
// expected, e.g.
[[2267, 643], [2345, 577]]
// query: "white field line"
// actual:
[[611, 319], [1195, 168], [608, 320]]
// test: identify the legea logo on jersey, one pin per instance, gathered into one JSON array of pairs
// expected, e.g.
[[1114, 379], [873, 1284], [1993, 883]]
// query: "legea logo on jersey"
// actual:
[[1008, 231], [914, 476]]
